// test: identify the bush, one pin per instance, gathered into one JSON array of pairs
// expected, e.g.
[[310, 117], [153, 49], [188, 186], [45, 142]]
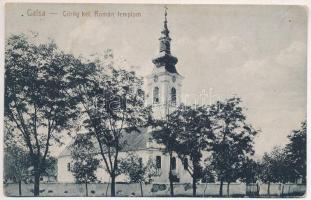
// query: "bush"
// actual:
[[32, 191], [187, 186], [158, 187]]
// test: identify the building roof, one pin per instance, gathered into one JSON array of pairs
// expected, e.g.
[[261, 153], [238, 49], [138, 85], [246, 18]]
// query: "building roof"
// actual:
[[133, 141]]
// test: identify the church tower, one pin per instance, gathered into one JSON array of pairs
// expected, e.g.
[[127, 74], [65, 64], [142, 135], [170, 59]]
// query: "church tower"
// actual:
[[164, 83]]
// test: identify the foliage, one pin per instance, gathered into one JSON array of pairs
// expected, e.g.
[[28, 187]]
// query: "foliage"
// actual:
[[84, 158], [50, 166], [112, 103], [194, 128], [297, 152], [158, 187], [275, 166], [37, 100], [220, 128], [286, 164], [250, 171], [165, 132], [208, 173], [16, 162], [233, 139], [136, 170]]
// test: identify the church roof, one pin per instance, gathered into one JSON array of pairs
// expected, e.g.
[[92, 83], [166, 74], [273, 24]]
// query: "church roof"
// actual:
[[133, 141]]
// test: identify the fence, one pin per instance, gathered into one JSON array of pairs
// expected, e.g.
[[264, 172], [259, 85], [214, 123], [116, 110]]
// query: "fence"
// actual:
[[157, 189]]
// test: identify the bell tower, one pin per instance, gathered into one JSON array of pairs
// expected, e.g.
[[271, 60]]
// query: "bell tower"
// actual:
[[164, 83]]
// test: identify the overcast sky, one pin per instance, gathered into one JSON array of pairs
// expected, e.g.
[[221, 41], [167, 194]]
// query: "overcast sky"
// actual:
[[257, 53]]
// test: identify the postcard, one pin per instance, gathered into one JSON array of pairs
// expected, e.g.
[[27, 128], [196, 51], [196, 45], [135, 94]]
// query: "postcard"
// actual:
[[155, 100]]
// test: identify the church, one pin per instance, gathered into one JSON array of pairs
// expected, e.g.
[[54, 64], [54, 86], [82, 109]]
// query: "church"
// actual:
[[163, 94]]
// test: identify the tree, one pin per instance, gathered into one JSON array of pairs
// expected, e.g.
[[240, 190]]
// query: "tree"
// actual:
[[194, 126], [266, 174], [112, 102], [16, 163], [84, 158], [37, 103], [165, 133], [208, 173], [275, 167], [296, 152], [233, 140], [136, 170], [249, 171], [288, 163]]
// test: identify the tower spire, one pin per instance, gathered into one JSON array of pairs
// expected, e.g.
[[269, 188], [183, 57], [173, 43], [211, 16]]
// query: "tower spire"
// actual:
[[165, 58], [165, 39]]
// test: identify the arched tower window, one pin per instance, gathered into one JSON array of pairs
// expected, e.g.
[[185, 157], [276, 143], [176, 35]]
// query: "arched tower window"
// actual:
[[156, 95], [173, 163], [173, 96]]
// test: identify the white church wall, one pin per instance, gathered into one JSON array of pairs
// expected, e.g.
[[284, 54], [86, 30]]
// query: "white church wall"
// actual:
[[63, 175]]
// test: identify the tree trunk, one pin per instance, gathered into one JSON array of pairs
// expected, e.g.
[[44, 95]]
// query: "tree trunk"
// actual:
[[107, 189], [171, 183], [113, 185], [170, 177], [269, 189], [86, 190], [36, 190], [194, 186], [220, 188], [282, 190], [20, 187], [205, 189], [141, 189], [228, 189]]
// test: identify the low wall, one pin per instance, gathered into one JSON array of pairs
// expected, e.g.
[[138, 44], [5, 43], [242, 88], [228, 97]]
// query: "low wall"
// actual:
[[103, 189]]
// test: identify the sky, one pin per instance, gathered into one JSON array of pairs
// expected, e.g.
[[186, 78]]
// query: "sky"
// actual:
[[257, 53]]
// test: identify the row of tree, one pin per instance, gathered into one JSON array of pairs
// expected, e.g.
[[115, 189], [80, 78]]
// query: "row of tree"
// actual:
[[287, 164], [48, 92], [190, 132], [281, 165], [207, 139]]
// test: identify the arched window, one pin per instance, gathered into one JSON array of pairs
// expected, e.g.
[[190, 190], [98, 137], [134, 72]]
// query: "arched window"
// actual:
[[173, 96], [156, 95], [158, 162], [173, 163], [186, 163]]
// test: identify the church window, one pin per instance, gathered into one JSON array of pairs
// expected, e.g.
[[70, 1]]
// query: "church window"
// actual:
[[174, 79], [158, 162], [173, 163], [173, 96], [156, 95], [140, 161], [186, 163], [68, 167]]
